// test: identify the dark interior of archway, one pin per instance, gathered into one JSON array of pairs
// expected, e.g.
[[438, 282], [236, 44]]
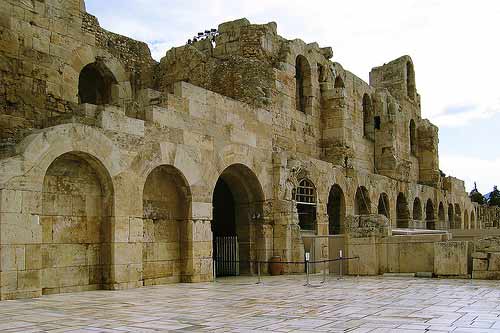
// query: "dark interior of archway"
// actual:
[[335, 212], [429, 216], [94, 86], [362, 202], [224, 223], [451, 221], [383, 206], [403, 212]]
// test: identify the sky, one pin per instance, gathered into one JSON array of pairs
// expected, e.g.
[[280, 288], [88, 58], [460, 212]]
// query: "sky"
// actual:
[[453, 43]]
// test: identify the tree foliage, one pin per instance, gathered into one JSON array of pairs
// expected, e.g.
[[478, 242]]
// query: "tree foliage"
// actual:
[[494, 199]]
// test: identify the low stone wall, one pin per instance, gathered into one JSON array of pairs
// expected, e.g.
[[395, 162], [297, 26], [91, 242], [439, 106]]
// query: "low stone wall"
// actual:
[[486, 258]]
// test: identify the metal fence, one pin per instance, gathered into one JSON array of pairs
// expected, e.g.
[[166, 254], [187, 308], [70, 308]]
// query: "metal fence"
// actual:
[[227, 248]]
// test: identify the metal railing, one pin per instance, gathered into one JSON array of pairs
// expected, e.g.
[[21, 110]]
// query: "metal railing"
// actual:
[[307, 263]]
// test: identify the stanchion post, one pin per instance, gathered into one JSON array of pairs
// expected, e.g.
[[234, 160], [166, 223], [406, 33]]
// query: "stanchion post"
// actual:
[[258, 272], [307, 269], [341, 262], [213, 269], [324, 271]]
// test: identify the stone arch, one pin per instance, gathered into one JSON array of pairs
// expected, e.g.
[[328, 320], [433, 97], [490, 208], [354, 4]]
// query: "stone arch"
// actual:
[[244, 209], [402, 212], [430, 217], [383, 207], [451, 216], [441, 216], [77, 208], [362, 203], [473, 220], [303, 83], [413, 137], [410, 81], [417, 210], [458, 217], [86, 55], [339, 82], [95, 84], [336, 210], [166, 207], [368, 125], [305, 197]]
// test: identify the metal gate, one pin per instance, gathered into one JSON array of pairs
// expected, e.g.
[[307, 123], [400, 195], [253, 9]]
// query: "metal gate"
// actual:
[[226, 254]]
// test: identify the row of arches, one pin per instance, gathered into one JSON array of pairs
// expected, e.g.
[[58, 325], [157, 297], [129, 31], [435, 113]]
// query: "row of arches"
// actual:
[[423, 216], [81, 229]]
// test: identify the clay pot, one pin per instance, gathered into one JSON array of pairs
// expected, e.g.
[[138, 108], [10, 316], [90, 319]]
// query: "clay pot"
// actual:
[[275, 266]]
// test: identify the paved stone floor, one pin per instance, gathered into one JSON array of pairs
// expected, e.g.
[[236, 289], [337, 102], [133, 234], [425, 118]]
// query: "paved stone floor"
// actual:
[[280, 304]]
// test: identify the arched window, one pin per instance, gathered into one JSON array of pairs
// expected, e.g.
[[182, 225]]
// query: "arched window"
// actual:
[[302, 82], [362, 203], [305, 196], [402, 211], [413, 137], [94, 84], [336, 210], [417, 209], [368, 126], [339, 83], [383, 205], [430, 215], [410, 81]]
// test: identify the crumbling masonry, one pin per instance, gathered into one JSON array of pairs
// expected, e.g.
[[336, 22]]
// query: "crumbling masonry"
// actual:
[[117, 171]]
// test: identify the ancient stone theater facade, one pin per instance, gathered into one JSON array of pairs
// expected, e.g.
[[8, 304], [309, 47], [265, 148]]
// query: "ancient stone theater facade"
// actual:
[[117, 171]]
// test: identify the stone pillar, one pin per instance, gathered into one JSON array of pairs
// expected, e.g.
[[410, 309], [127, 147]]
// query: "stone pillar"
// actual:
[[20, 240], [196, 250]]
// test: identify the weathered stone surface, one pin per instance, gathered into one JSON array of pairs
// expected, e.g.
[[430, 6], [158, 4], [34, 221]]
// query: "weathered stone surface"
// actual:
[[451, 258]]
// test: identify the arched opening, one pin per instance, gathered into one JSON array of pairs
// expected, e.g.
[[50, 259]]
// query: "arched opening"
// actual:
[[368, 126], [466, 220], [417, 210], [362, 204], [77, 205], [305, 197], [339, 83], [336, 210], [166, 203], [430, 218], [441, 216], [413, 138], [95, 84], [458, 217], [383, 205], [451, 216], [302, 82], [473, 221], [402, 212], [237, 208], [410, 81]]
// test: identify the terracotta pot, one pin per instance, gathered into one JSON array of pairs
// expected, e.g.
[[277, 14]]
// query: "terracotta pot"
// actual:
[[275, 266]]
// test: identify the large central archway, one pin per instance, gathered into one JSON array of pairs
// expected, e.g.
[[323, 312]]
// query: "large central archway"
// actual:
[[237, 211], [336, 210]]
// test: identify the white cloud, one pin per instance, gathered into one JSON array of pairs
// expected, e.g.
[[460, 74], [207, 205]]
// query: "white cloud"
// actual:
[[470, 169]]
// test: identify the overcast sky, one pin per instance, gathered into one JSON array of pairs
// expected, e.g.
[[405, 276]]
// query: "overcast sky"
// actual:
[[454, 45]]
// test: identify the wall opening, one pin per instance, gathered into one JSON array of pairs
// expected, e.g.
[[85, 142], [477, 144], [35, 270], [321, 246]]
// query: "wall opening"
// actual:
[[473, 220], [305, 196], [430, 217], [377, 122], [95, 84], [458, 217], [413, 138], [336, 211], [77, 205], [441, 216], [237, 209], [466, 220], [402, 212], [302, 82], [451, 217], [417, 210], [362, 204], [166, 204], [410, 81], [339, 83], [383, 205]]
